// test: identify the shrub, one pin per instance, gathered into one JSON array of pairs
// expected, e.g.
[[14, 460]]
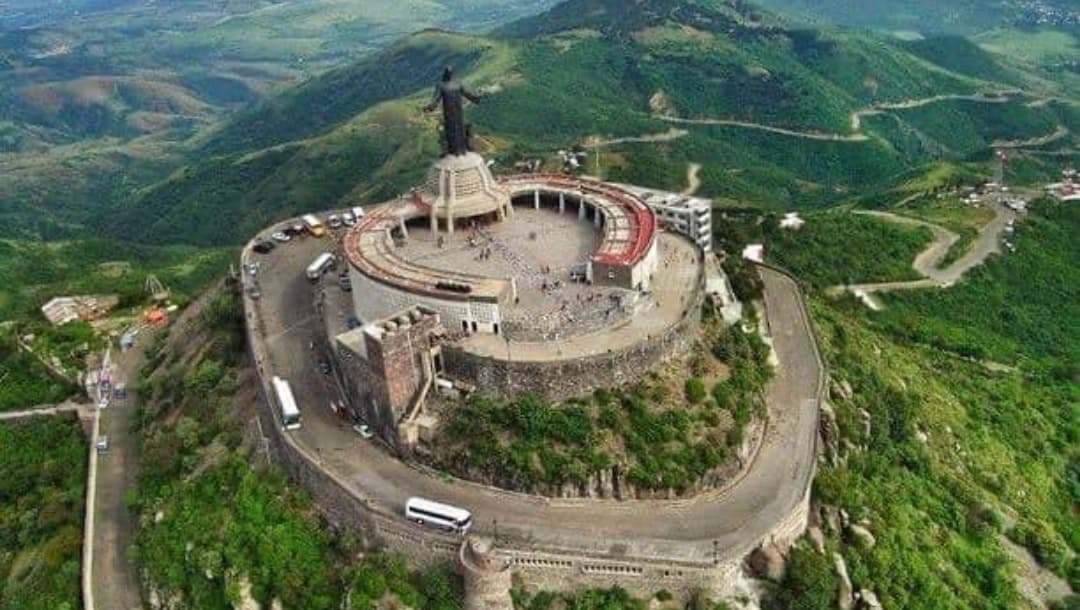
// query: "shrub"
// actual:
[[695, 390]]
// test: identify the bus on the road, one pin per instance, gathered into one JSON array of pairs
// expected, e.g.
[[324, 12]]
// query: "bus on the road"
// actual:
[[290, 413], [426, 512], [314, 225], [320, 266]]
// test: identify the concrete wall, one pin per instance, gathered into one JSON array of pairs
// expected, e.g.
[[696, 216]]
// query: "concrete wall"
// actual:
[[563, 379], [344, 506]]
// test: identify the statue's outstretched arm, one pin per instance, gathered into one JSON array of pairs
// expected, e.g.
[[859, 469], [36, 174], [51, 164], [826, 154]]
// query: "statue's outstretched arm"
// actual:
[[471, 96], [434, 100]]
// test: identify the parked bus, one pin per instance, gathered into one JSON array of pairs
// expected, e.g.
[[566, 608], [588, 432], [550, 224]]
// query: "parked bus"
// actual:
[[321, 264], [314, 225], [426, 512], [290, 413]]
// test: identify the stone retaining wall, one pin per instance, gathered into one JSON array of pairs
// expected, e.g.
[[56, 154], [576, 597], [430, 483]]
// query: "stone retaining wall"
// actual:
[[344, 507], [573, 377]]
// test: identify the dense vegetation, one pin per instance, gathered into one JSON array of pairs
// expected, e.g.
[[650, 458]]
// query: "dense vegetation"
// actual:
[[591, 68], [832, 248], [33, 272], [42, 476], [839, 247], [959, 454], [665, 432], [24, 380]]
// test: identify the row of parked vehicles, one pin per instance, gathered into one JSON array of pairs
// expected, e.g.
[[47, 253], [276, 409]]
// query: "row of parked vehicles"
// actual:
[[309, 224]]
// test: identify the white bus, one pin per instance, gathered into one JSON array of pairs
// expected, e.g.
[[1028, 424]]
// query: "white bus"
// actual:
[[290, 413], [314, 225], [426, 512], [321, 264]]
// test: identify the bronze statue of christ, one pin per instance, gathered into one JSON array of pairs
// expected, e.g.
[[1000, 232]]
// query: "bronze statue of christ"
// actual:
[[452, 94]]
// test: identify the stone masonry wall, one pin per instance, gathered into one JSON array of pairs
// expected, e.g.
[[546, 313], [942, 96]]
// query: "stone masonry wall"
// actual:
[[563, 379], [344, 507]]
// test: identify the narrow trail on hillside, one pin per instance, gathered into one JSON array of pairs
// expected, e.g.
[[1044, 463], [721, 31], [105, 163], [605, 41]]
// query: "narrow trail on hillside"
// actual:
[[927, 262], [809, 135], [650, 138], [1057, 134], [856, 120], [693, 181]]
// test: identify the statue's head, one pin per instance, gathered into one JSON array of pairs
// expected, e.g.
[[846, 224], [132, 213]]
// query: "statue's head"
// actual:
[[448, 74]]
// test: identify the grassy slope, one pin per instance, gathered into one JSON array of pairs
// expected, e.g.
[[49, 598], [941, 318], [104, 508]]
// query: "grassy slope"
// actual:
[[31, 273], [81, 128], [840, 248], [42, 474], [363, 138], [1001, 446]]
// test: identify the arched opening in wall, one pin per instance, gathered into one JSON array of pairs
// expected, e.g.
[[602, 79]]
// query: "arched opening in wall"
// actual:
[[465, 325], [437, 361], [475, 326], [495, 327]]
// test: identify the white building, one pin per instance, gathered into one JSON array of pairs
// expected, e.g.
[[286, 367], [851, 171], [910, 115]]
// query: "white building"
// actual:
[[791, 220], [690, 216], [64, 310]]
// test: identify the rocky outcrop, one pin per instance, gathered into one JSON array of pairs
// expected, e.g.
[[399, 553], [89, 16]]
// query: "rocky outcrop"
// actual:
[[830, 434], [767, 562], [868, 600], [845, 592], [861, 536]]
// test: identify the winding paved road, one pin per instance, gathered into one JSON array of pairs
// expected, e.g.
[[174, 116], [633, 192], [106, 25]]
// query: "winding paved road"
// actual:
[[926, 263], [696, 529], [856, 120]]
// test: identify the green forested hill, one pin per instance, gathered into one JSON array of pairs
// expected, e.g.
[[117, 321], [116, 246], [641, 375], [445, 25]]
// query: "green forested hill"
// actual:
[[926, 15], [592, 70]]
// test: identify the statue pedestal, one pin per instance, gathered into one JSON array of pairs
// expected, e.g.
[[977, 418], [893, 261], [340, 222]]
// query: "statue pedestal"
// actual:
[[461, 186]]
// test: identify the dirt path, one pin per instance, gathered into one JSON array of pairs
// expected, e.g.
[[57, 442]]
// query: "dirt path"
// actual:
[[927, 262], [693, 181]]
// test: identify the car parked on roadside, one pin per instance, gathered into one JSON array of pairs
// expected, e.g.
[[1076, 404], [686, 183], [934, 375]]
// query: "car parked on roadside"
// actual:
[[364, 431], [102, 444], [334, 221], [349, 219], [281, 237], [264, 247]]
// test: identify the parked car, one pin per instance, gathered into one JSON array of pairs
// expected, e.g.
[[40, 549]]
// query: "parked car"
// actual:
[[348, 218], [120, 393], [251, 268], [281, 236], [324, 367], [352, 322], [254, 293], [264, 247], [364, 431], [334, 221], [298, 229], [102, 444]]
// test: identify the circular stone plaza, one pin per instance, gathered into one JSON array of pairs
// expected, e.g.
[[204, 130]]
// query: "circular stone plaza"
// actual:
[[539, 283]]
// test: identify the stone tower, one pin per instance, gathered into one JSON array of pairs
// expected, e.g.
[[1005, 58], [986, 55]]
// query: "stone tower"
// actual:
[[486, 575]]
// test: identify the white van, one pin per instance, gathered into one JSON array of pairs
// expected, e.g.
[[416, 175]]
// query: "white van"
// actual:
[[320, 266]]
